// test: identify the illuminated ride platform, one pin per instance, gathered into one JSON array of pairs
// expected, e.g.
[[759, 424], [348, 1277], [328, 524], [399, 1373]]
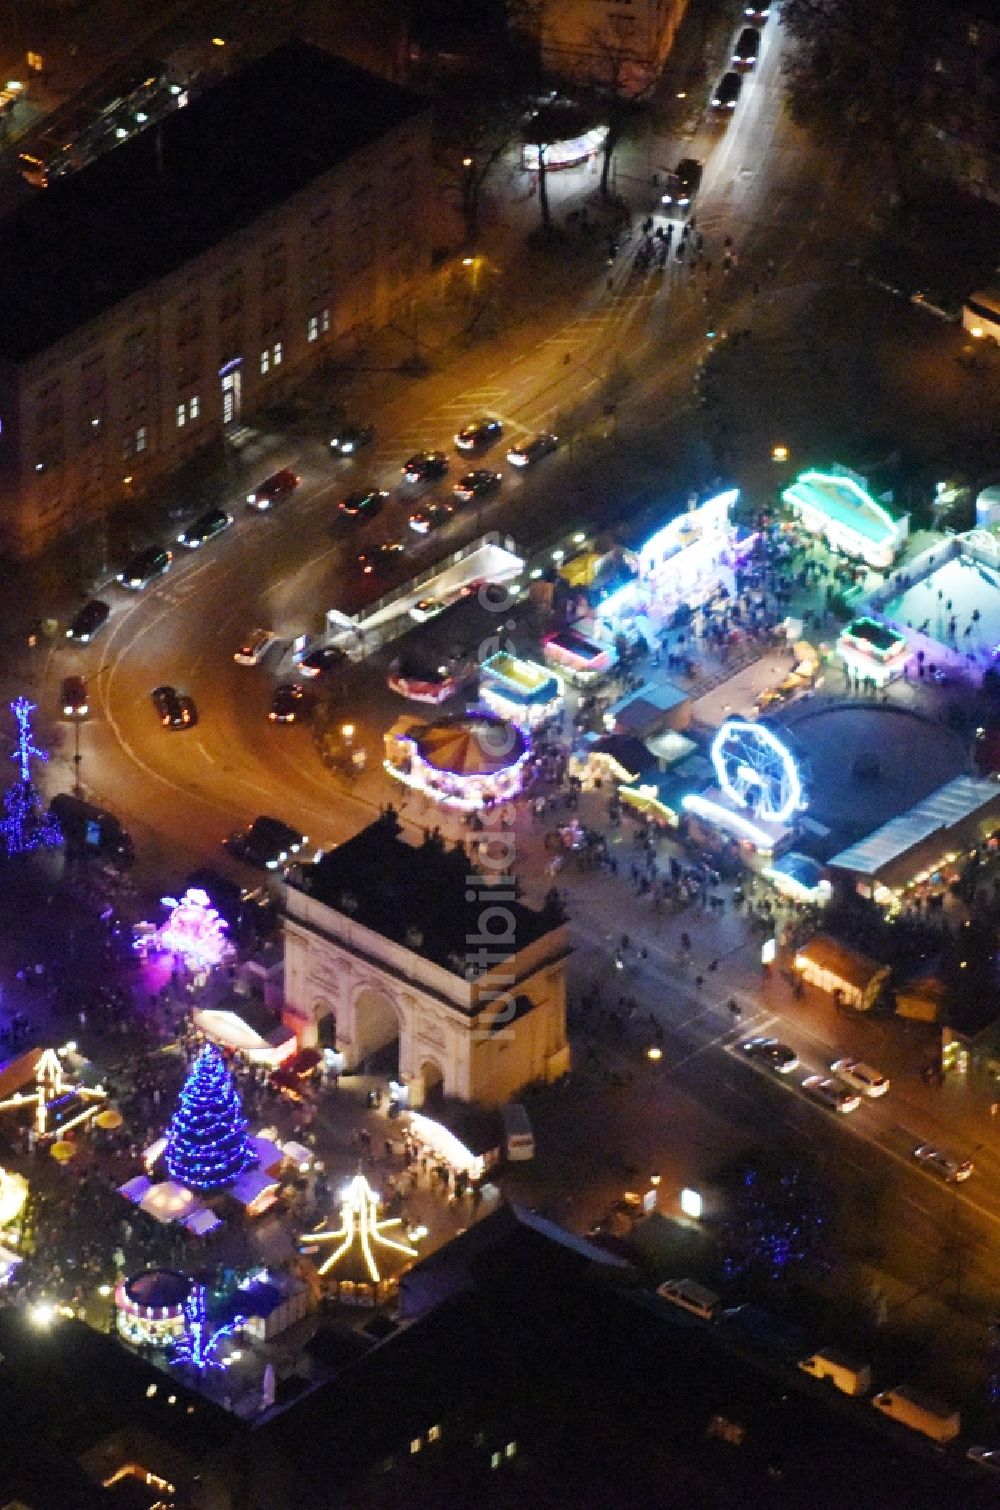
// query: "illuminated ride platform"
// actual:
[[520, 690], [873, 651]]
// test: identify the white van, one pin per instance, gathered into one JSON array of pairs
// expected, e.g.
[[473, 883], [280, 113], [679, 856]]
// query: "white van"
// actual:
[[849, 1376], [691, 1296], [920, 1412], [518, 1138]]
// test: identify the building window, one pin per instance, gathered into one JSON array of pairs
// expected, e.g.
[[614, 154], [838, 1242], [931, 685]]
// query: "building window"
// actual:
[[194, 406], [434, 1434], [510, 1450], [265, 363], [495, 1460], [312, 330], [181, 415], [140, 438], [416, 1444], [277, 353], [325, 321]]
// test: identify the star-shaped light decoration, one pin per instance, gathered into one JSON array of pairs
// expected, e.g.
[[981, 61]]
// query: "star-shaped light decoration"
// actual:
[[361, 1230]]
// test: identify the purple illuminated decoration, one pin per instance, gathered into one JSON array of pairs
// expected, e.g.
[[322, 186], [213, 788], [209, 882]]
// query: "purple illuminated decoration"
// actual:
[[200, 1344]]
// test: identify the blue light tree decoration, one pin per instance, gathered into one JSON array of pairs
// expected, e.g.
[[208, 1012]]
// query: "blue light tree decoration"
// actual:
[[25, 827], [207, 1143], [199, 1345]]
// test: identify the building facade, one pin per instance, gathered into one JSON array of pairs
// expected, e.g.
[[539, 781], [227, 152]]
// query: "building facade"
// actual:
[[621, 44], [382, 944], [163, 294]]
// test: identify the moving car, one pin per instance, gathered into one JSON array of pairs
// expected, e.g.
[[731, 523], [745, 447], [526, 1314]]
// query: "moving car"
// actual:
[[778, 1055], [92, 616], [324, 658], [944, 1164], [530, 451], [728, 91], [428, 608], [836, 1098], [289, 703], [477, 484], [682, 186], [273, 489], [481, 433], [144, 567], [207, 525], [425, 465], [350, 438], [175, 709], [256, 646], [747, 49], [364, 503], [267, 843], [423, 521], [758, 14], [73, 697], [374, 563], [861, 1076]]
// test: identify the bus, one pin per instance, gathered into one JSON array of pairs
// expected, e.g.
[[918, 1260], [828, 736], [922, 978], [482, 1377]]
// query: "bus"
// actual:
[[981, 314]]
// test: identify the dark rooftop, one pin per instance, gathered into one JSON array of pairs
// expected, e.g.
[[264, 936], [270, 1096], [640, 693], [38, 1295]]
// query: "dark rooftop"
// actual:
[[174, 191], [422, 895]]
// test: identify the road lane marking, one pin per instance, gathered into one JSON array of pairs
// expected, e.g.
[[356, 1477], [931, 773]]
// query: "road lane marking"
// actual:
[[207, 756]]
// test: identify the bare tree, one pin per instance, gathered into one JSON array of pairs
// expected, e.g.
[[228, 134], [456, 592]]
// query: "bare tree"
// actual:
[[621, 82]]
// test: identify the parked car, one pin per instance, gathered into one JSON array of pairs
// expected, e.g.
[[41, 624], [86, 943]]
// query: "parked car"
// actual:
[[912, 1408], [144, 567], [207, 525], [175, 709], [530, 451], [273, 489], [424, 466], [772, 1051], [477, 484], [73, 697], [832, 1095], [691, 1296], [479, 434], [728, 91], [861, 1076], [834, 1367], [91, 617], [350, 438], [255, 647]]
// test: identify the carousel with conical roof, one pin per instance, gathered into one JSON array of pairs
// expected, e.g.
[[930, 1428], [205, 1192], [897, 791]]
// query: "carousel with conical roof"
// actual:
[[466, 760]]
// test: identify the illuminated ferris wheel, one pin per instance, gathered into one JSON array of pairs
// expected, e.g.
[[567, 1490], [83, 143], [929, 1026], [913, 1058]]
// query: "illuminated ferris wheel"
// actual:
[[755, 769]]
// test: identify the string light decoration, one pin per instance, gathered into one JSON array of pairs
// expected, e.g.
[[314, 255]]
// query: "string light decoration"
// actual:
[[207, 1143], [25, 826], [194, 930], [199, 1344], [58, 1104], [361, 1230]]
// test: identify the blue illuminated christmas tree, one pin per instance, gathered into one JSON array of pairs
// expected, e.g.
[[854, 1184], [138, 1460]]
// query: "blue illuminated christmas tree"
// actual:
[[25, 825], [207, 1143]]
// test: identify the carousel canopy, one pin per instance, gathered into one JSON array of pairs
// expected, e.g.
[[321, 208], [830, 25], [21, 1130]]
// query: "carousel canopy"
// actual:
[[478, 745]]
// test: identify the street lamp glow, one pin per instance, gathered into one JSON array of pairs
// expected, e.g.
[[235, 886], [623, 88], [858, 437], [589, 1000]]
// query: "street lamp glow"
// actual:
[[42, 1314], [579, 538], [977, 332], [779, 453], [347, 730], [466, 162], [654, 1053], [218, 41], [468, 261]]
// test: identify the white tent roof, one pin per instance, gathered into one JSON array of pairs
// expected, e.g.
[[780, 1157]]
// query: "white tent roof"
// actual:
[[135, 1189], [251, 1185], [942, 810], [169, 1201]]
